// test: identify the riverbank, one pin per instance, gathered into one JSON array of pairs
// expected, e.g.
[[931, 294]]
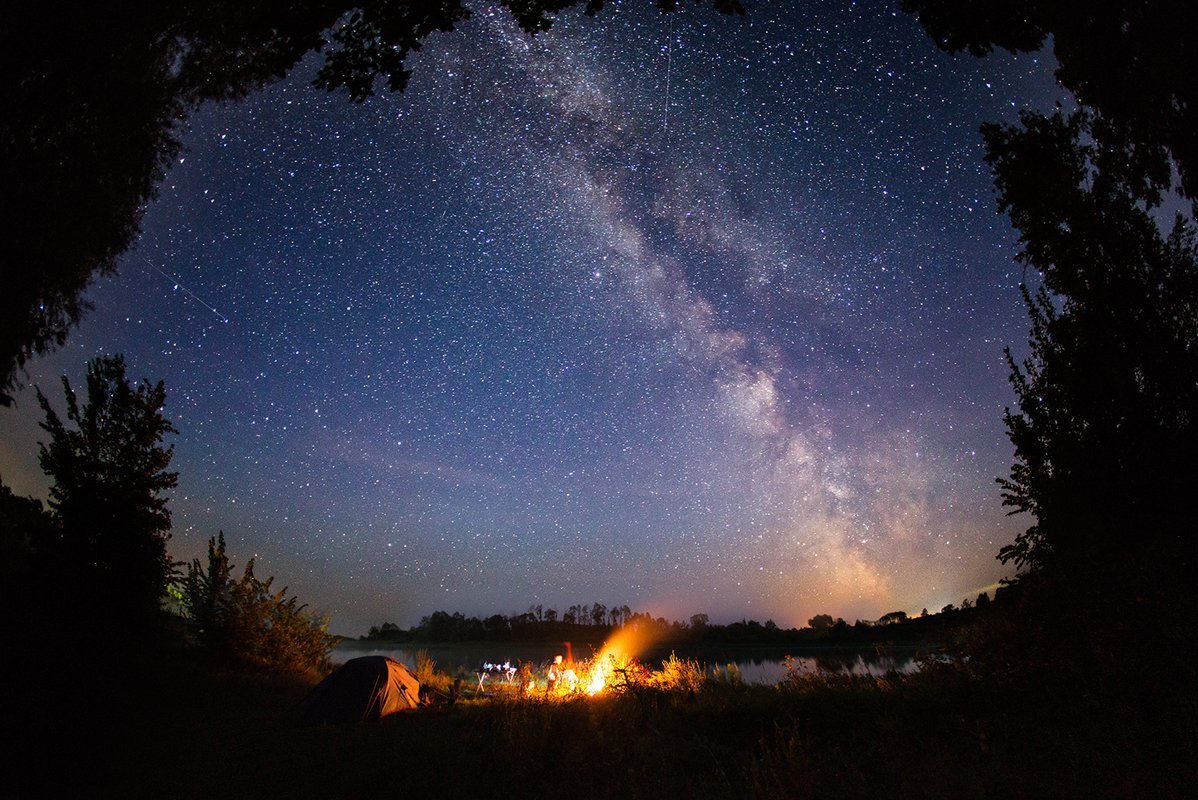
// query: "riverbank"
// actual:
[[760, 664], [190, 729]]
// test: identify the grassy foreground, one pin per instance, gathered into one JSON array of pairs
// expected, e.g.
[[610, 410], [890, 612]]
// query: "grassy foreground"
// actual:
[[183, 728]]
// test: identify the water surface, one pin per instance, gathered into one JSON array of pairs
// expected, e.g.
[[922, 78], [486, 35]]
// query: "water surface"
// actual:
[[764, 665]]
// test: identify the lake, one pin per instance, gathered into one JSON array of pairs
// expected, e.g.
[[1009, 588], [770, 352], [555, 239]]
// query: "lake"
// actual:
[[760, 665]]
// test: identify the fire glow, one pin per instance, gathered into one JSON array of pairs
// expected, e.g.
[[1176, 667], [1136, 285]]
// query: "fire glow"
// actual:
[[616, 657], [610, 667]]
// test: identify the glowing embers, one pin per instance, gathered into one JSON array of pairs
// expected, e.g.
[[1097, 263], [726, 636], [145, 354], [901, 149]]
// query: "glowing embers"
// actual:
[[614, 666]]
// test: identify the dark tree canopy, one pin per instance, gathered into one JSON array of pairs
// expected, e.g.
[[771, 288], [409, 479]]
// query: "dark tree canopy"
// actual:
[[93, 95], [1131, 62], [25, 529], [821, 622], [1105, 436], [109, 474]]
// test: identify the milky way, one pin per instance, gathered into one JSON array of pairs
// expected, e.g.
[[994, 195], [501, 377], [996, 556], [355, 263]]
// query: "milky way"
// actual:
[[542, 330]]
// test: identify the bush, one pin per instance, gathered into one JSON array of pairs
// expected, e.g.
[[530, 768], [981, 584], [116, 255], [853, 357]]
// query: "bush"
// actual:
[[248, 621], [680, 675]]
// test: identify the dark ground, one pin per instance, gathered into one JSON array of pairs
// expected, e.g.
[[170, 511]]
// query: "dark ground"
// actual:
[[170, 724]]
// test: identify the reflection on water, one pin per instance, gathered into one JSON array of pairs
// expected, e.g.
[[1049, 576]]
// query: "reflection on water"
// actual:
[[773, 670], [465, 659]]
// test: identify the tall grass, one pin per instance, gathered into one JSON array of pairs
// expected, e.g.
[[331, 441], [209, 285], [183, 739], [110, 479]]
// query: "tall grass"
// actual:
[[680, 675], [431, 675], [728, 675]]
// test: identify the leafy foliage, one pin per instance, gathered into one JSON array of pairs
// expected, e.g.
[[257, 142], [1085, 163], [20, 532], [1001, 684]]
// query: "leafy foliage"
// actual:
[[109, 478], [1105, 433], [1130, 62], [206, 593], [29, 551], [246, 619], [821, 622], [23, 522], [1104, 429], [388, 632]]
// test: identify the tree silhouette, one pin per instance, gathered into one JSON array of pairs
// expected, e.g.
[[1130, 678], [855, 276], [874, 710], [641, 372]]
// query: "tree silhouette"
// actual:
[[93, 97], [110, 473], [1105, 433], [206, 592], [1104, 429], [1131, 62], [821, 622], [30, 545], [271, 630]]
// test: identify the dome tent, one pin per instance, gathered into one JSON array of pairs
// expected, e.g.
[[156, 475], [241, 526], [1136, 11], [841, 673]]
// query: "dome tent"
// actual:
[[363, 688]]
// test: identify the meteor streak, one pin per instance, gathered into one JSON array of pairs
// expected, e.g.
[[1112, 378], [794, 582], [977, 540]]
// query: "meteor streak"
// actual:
[[179, 287]]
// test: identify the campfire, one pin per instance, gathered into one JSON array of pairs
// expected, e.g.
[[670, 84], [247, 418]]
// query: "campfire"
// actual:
[[614, 666], [613, 669]]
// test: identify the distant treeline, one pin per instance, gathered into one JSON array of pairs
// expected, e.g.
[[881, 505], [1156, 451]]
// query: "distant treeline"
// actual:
[[594, 623]]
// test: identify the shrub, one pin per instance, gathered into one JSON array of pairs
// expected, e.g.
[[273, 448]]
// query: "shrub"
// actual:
[[249, 621], [680, 675]]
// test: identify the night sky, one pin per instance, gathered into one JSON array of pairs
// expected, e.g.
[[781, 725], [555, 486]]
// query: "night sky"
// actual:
[[689, 313]]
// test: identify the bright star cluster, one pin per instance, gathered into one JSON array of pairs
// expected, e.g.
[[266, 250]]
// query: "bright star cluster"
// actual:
[[687, 312]]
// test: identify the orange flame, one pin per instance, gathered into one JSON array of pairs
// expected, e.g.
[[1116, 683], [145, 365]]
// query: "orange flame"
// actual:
[[621, 647]]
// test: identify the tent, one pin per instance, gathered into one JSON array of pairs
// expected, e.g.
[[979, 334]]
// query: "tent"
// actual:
[[369, 687]]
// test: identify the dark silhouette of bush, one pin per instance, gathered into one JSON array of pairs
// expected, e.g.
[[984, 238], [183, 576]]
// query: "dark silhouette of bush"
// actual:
[[246, 620]]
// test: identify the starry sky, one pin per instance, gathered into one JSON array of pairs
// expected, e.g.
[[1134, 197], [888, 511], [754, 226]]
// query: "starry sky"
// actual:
[[688, 313]]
